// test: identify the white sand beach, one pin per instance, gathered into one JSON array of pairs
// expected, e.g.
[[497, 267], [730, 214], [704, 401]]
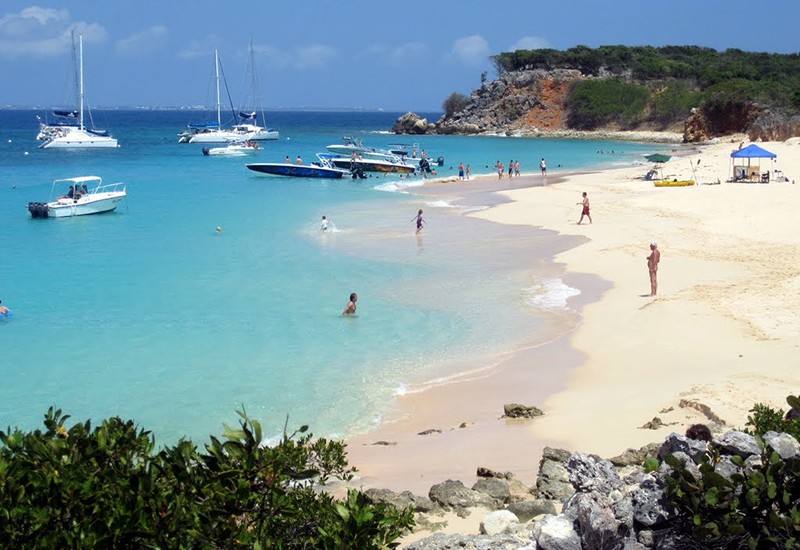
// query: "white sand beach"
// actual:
[[722, 334]]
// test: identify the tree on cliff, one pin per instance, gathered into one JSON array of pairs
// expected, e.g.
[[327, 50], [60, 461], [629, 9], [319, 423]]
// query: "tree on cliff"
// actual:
[[454, 103]]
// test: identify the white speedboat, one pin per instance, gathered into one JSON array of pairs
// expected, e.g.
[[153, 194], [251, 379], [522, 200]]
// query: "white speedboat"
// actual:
[[81, 196], [232, 149], [74, 137]]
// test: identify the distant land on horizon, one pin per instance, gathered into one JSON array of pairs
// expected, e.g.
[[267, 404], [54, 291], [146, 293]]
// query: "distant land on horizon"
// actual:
[[8, 107]]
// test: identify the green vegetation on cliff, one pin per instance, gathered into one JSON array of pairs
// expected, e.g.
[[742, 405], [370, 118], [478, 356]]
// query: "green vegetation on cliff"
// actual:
[[661, 85], [107, 487]]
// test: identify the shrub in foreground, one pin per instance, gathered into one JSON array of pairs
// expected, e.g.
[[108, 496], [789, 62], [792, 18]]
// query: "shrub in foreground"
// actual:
[[85, 487]]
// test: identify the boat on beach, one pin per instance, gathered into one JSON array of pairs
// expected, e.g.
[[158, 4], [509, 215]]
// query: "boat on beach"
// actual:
[[82, 196], [69, 135], [322, 169]]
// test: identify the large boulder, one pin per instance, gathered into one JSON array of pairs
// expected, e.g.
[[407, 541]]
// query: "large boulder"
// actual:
[[556, 533], [498, 522], [495, 488], [529, 509], [737, 443], [784, 444], [401, 501], [552, 483], [441, 541], [649, 503], [454, 495], [410, 123], [587, 473], [675, 443]]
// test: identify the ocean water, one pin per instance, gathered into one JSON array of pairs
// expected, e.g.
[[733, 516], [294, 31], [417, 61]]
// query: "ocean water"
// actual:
[[150, 313]]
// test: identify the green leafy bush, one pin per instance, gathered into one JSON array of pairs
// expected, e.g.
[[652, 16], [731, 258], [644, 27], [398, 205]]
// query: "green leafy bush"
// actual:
[[603, 101], [454, 104], [764, 418], [84, 487], [757, 507]]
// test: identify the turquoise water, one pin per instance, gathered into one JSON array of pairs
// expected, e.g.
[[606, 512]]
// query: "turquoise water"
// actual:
[[149, 313]]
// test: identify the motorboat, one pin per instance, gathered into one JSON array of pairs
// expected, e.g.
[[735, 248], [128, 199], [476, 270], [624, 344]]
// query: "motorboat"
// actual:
[[69, 136], [353, 146], [356, 163], [322, 169], [235, 149], [81, 196]]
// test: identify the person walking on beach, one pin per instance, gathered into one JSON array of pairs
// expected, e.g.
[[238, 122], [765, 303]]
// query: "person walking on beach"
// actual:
[[461, 171], [585, 211], [652, 267], [350, 309], [516, 169], [500, 169], [420, 221], [468, 172], [543, 167], [510, 168]]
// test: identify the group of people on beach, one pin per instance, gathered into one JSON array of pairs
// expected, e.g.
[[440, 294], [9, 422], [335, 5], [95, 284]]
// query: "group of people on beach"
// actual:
[[513, 169]]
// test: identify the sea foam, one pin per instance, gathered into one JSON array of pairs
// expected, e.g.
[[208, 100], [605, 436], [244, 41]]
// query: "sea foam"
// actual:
[[550, 294]]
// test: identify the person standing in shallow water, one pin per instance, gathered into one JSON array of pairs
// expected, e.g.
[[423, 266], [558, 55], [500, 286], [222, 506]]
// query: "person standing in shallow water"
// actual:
[[350, 309], [652, 267], [420, 221], [543, 167], [585, 211]]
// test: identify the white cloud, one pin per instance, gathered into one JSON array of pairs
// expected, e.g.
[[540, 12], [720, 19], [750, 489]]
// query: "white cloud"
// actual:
[[313, 56], [397, 55], [43, 32], [199, 48], [471, 50], [143, 42], [530, 43]]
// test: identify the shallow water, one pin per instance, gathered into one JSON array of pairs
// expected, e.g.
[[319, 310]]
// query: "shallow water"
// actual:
[[149, 313]]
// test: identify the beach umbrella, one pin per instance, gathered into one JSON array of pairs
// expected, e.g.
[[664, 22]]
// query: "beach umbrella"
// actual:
[[658, 157]]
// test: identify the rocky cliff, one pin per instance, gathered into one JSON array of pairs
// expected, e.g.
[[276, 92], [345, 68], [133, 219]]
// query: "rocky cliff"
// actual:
[[535, 102]]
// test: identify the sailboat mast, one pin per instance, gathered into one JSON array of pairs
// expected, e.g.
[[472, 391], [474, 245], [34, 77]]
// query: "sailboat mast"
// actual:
[[80, 70], [216, 75]]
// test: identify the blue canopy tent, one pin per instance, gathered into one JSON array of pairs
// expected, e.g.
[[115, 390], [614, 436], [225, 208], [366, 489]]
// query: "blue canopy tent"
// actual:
[[746, 172]]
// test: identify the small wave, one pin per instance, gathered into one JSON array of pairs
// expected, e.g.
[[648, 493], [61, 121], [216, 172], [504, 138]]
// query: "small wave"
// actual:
[[471, 209], [550, 294], [440, 204], [399, 187]]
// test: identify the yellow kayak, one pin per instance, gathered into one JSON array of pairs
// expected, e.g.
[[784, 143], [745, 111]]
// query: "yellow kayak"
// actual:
[[673, 183]]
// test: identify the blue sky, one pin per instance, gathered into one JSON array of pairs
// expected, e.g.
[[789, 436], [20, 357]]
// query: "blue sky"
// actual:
[[396, 56]]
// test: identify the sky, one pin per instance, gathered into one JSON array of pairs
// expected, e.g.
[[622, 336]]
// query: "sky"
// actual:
[[343, 54]]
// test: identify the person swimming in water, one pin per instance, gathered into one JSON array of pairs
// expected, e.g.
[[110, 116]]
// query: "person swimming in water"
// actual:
[[350, 309], [4, 311], [325, 225]]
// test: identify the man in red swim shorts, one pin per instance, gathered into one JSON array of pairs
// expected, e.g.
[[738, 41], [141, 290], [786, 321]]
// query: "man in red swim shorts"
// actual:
[[585, 211]]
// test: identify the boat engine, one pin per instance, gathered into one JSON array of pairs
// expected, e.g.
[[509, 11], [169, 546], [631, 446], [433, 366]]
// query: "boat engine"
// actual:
[[440, 161], [38, 209], [205, 151]]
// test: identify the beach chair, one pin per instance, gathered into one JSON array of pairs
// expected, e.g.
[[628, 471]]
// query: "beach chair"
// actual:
[[765, 177]]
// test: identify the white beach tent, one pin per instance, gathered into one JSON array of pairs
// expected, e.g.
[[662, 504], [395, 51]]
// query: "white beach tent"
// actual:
[[746, 172]]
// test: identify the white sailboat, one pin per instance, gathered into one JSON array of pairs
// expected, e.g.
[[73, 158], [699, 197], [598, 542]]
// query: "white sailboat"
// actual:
[[215, 134], [249, 122], [70, 137]]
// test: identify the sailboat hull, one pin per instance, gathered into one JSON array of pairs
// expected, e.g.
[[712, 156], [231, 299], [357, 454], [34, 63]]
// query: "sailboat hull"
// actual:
[[78, 138]]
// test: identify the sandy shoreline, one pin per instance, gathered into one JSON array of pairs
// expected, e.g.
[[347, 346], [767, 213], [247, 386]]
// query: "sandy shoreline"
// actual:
[[723, 332]]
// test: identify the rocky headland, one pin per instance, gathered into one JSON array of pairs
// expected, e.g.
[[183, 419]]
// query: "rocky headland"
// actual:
[[536, 103], [584, 502]]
